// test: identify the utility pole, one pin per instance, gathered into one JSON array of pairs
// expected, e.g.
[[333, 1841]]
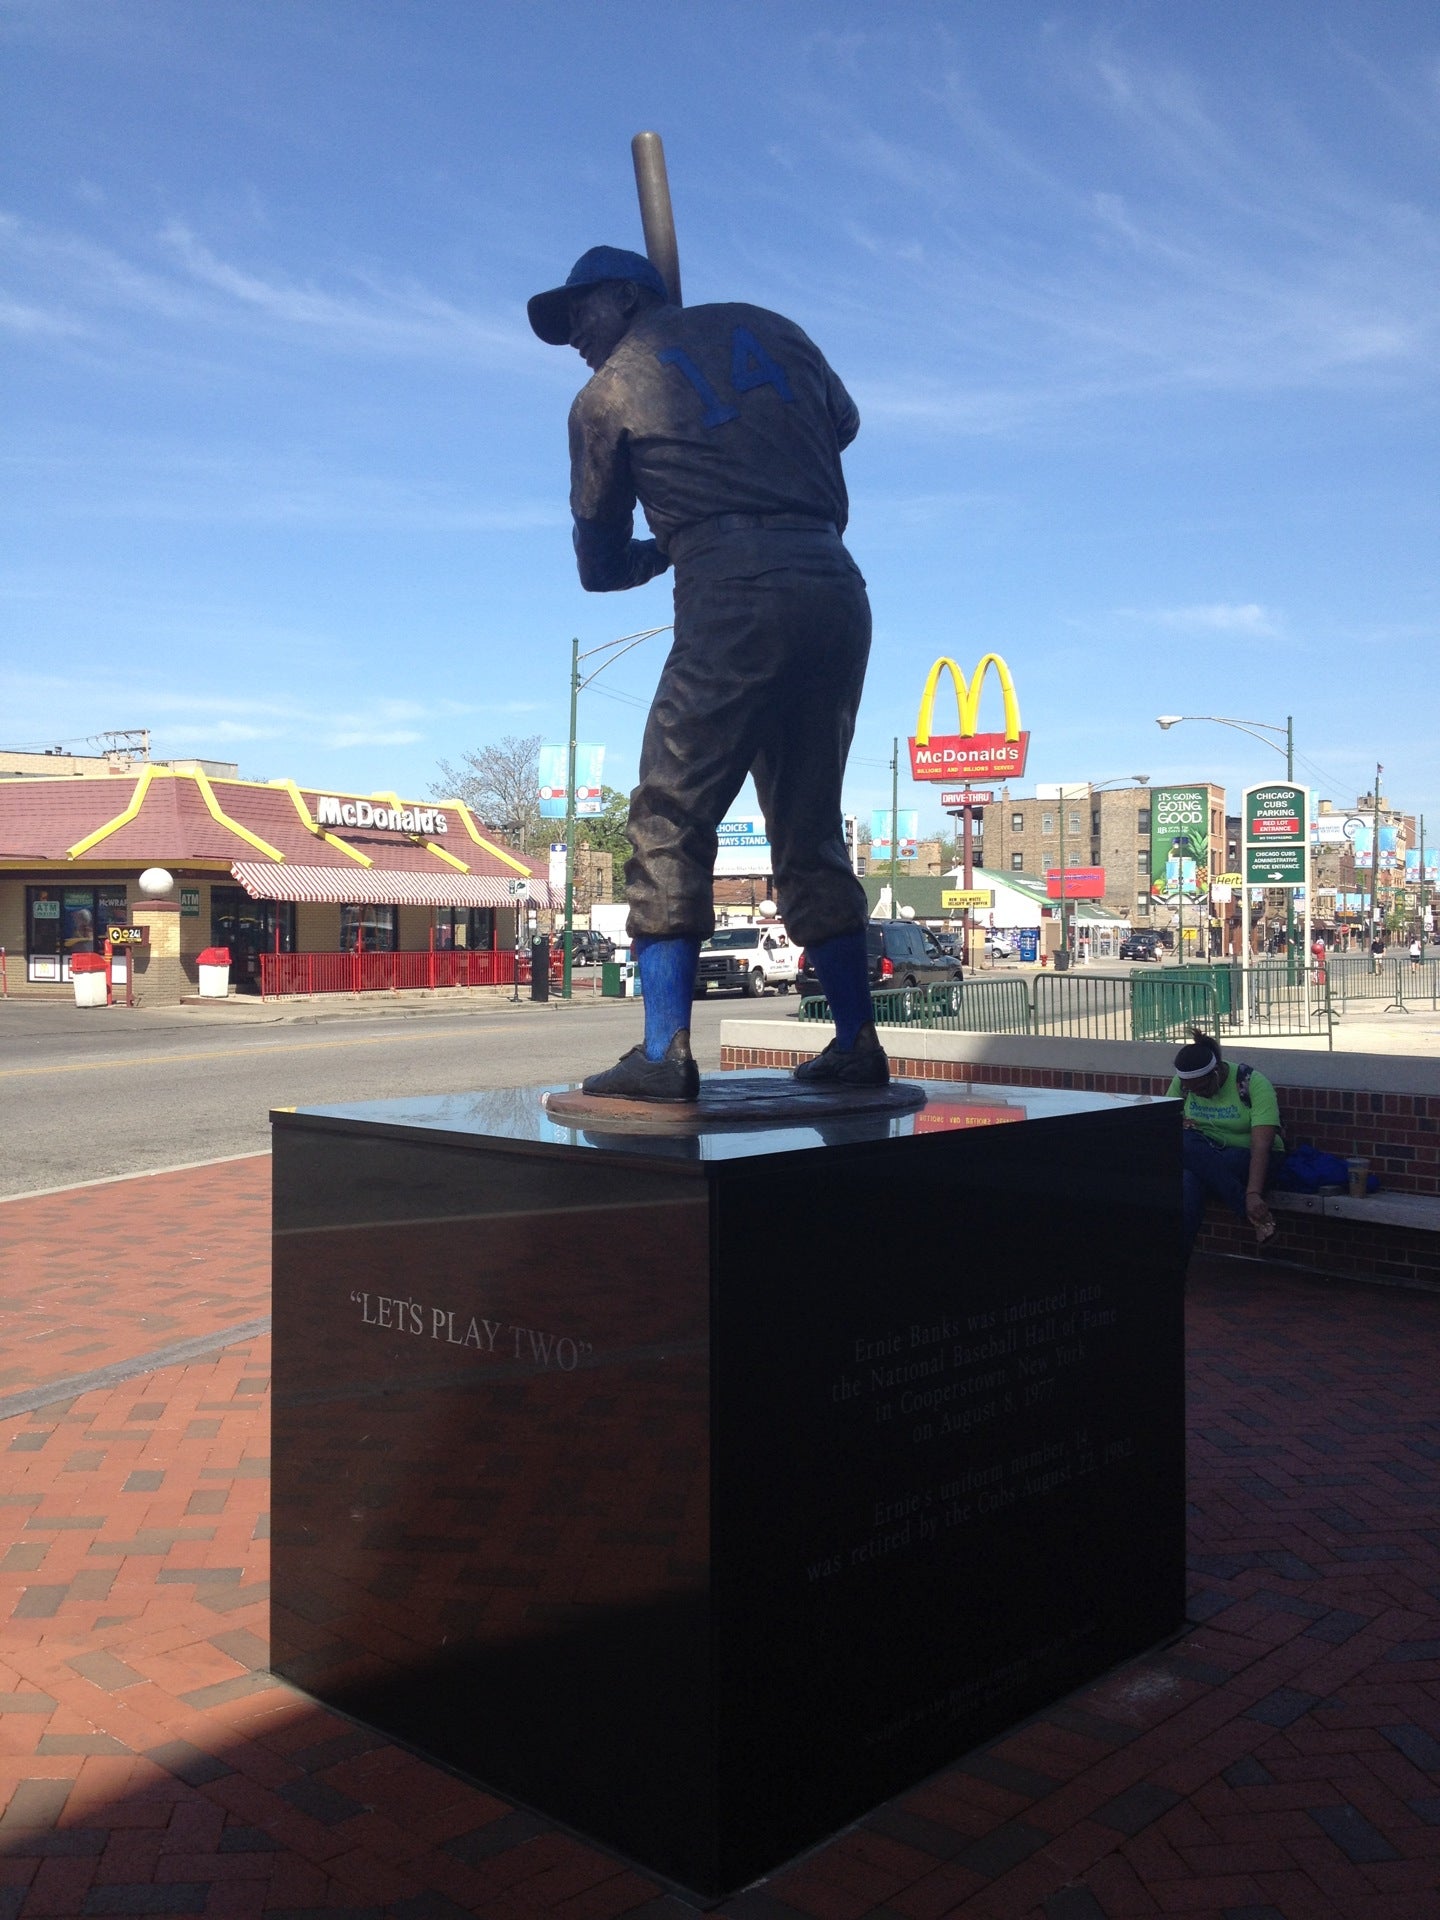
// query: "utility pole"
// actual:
[[568, 936], [1290, 974], [1424, 890], [1375, 854], [894, 826]]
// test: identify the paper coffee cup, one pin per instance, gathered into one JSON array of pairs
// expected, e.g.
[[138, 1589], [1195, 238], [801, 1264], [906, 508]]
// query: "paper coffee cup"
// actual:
[[1359, 1173]]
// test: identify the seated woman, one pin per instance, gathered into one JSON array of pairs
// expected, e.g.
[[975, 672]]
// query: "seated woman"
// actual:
[[1232, 1143]]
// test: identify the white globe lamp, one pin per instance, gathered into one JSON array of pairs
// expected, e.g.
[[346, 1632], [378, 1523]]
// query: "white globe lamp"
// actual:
[[907, 913], [767, 909], [155, 883]]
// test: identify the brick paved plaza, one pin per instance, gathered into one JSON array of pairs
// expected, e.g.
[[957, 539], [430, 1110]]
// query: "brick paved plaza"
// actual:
[[1280, 1762]]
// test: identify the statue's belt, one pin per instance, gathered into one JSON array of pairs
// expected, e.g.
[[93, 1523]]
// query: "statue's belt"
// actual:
[[699, 531]]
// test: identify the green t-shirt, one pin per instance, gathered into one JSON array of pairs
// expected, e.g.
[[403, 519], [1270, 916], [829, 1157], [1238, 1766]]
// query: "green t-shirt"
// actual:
[[1224, 1117]]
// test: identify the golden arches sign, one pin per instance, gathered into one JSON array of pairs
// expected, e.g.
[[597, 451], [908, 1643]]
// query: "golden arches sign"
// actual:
[[967, 698], [968, 754]]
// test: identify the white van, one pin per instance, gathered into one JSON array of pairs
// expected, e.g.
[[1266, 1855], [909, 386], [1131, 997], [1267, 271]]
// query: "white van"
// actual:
[[749, 959]]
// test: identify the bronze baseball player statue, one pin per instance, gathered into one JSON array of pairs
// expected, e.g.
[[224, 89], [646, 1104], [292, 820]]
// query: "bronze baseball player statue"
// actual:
[[726, 423]]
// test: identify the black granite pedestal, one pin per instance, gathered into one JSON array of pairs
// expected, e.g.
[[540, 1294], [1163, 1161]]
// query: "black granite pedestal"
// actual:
[[703, 1491]]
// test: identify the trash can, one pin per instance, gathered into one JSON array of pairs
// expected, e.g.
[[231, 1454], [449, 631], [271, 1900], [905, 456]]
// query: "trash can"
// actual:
[[89, 977], [540, 967], [612, 985], [214, 968], [1062, 959]]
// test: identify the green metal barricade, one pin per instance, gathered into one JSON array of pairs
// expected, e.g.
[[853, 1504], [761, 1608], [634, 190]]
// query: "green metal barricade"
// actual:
[[1081, 1007], [1166, 1005]]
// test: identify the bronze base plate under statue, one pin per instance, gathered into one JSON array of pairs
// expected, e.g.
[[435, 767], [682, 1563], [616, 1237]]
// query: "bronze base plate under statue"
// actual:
[[730, 1100]]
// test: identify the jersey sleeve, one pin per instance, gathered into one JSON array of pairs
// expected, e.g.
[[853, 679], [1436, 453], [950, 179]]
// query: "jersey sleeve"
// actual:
[[1172, 1092], [843, 410], [1264, 1107], [602, 501]]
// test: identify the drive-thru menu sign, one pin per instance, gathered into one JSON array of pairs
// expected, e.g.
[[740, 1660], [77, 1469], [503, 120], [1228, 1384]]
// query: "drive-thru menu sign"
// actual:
[[1275, 843]]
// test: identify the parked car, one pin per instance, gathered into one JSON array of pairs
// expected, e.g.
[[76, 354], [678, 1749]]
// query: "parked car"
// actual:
[[748, 960], [999, 946], [1141, 946], [901, 955], [590, 949]]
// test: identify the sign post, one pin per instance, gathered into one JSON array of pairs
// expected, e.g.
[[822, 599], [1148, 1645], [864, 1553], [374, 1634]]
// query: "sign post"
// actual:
[[1276, 854], [959, 805], [517, 890]]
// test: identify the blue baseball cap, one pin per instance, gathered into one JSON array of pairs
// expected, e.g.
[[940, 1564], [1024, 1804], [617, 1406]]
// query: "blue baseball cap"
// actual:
[[550, 312]]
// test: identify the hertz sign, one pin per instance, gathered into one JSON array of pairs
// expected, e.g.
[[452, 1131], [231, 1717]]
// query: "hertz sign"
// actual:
[[966, 754]]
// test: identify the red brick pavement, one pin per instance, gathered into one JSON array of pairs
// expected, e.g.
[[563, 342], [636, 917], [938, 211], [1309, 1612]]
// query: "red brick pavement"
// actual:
[[1282, 1762], [107, 1273]]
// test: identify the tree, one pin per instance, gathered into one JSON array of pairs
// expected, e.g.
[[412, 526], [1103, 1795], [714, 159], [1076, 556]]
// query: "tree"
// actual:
[[605, 832], [501, 784]]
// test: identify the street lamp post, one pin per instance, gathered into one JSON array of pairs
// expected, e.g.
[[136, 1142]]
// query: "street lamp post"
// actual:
[[614, 649], [1257, 730]]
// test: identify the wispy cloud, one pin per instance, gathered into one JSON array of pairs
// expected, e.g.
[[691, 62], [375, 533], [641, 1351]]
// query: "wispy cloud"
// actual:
[[261, 486], [1218, 616], [1138, 233], [76, 285]]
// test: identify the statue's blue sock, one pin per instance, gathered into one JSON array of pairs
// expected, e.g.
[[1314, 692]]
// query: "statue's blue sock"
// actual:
[[667, 981], [843, 964]]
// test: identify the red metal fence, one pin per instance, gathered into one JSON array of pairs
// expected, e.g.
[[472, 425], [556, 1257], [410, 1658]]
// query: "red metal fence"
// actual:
[[295, 973]]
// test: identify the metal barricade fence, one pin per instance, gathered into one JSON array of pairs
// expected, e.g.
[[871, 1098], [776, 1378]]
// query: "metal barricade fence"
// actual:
[[1080, 1007], [1398, 981]]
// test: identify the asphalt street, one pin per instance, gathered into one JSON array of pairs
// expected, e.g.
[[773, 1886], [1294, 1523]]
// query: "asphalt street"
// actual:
[[92, 1093]]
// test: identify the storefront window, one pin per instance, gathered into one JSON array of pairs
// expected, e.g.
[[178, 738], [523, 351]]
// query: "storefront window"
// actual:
[[464, 927], [63, 921], [375, 924]]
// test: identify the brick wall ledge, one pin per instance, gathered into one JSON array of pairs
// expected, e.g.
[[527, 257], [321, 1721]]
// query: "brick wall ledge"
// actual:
[[1386, 1073], [1377, 1105]]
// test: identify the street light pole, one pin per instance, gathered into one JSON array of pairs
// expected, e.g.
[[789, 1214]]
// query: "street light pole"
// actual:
[[894, 824], [569, 934], [1167, 720], [577, 687]]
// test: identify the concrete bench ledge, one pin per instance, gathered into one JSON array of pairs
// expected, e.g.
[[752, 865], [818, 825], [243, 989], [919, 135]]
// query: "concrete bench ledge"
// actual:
[[1418, 1211]]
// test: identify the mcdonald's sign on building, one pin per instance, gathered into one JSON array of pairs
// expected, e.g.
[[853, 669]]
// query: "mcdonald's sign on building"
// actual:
[[967, 754]]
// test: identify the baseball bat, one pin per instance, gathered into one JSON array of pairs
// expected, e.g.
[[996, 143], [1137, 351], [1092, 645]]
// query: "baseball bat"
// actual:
[[656, 217]]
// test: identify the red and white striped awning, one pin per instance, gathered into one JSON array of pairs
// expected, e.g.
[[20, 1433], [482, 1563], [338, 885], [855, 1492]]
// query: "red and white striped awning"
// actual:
[[370, 887]]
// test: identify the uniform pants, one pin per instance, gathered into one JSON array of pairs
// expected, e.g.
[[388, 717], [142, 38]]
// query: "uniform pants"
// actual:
[[772, 632]]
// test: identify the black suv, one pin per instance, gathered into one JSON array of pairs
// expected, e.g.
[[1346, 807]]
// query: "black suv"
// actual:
[[1140, 946], [901, 955]]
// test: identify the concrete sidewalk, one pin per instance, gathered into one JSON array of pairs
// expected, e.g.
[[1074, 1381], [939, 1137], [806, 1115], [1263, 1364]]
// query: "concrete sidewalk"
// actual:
[[1282, 1762]]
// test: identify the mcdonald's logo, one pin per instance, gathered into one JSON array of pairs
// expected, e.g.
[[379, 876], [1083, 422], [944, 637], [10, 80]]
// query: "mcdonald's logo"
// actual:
[[968, 753]]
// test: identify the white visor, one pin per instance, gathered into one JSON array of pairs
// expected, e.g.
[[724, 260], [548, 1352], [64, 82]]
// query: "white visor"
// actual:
[[1198, 1073]]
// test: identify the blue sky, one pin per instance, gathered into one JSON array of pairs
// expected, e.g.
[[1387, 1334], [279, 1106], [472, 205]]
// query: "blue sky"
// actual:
[[1138, 301]]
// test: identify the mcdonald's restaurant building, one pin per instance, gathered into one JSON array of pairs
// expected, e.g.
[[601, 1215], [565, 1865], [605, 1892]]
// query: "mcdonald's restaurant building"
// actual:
[[298, 883]]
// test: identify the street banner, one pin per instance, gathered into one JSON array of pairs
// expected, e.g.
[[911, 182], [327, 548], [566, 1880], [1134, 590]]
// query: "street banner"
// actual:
[[1179, 814], [589, 764], [1081, 883], [744, 851], [1414, 872], [967, 754], [880, 833]]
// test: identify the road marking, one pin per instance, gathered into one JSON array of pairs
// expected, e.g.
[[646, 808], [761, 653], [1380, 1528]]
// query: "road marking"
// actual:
[[219, 1053]]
